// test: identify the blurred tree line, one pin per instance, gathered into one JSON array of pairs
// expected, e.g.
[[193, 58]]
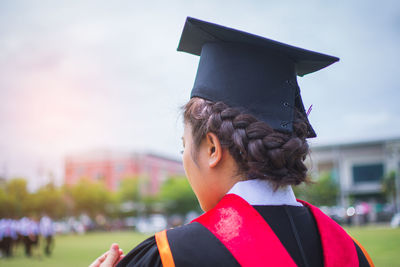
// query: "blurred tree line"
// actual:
[[92, 198]]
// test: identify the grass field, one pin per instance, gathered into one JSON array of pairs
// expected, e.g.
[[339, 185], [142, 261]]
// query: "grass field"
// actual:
[[383, 244], [76, 250]]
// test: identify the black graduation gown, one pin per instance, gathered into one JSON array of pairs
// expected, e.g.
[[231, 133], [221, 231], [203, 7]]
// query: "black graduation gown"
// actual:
[[194, 245]]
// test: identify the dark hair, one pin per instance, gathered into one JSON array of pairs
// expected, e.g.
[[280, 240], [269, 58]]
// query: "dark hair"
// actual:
[[259, 151]]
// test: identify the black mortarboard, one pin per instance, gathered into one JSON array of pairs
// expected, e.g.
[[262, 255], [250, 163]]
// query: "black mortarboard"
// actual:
[[249, 71]]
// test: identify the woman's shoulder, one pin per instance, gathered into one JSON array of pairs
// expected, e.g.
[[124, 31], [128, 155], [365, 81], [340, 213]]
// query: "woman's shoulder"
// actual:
[[191, 245], [145, 254]]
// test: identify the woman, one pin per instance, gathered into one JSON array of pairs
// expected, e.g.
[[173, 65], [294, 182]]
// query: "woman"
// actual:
[[244, 146]]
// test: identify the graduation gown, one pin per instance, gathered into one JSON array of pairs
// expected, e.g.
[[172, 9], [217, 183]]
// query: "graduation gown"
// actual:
[[195, 244]]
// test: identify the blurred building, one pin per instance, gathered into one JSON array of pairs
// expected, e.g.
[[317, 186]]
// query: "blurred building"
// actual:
[[358, 167], [112, 167]]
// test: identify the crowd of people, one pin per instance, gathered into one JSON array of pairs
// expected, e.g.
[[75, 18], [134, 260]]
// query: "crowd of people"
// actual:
[[27, 232]]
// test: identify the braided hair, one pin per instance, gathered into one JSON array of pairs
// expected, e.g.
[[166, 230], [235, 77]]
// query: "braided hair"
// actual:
[[259, 151]]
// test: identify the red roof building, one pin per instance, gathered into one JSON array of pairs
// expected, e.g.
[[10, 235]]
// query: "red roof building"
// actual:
[[112, 167]]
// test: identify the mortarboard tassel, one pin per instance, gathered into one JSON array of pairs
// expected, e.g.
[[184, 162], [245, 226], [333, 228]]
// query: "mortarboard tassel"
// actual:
[[309, 110]]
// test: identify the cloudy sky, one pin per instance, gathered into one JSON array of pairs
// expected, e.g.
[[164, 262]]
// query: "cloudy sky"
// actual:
[[79, 76]]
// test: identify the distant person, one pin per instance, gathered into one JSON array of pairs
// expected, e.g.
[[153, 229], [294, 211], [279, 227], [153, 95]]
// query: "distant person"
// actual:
[[35, 236], [1, 238], [19, 230], [23, 230], [30, 232], [47, 232], [8, 235], [245, 131]]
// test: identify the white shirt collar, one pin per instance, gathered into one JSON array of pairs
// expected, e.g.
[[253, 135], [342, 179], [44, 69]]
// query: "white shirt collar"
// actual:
[[261, 192]]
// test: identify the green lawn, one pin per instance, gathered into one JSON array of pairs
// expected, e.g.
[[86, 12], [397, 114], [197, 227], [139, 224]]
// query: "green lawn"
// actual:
[[76, 250], [383, 244]]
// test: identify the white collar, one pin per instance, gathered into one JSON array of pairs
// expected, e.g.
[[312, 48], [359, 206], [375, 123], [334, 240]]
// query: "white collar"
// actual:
[[261, 192]]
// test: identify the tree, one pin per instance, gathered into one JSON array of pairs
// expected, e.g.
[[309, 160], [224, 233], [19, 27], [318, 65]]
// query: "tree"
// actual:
[[17, 197], [322, 192], [177, 196], [6, 205], [129, 189], [128, 201], [389, 187], [16, 201], [89, 197], [49, 200]]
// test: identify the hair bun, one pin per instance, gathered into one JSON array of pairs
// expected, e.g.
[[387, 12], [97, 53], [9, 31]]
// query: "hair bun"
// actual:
[[259, 151]]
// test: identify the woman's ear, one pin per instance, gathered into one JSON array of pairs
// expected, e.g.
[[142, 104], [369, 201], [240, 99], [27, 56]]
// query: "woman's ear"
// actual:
[[214, 150]]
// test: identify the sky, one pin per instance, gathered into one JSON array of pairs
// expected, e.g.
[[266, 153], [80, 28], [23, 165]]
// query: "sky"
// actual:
[[79, 76]]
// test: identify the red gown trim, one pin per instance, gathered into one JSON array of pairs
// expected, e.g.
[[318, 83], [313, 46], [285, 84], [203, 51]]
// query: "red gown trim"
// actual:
[[337, 246], [245, 233], [252, 242]]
